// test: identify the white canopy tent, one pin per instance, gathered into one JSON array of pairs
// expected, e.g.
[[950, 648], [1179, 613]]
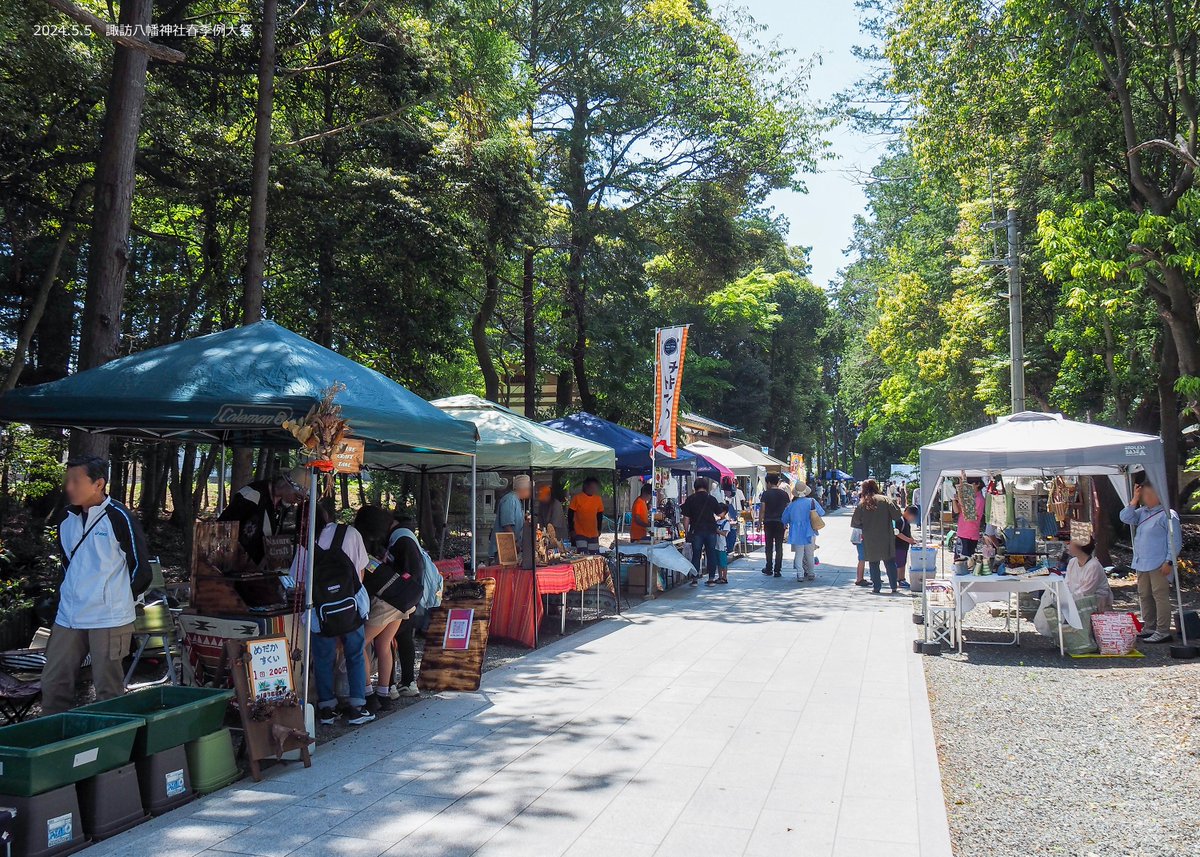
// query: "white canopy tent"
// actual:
[[727, 458], [1038, 444], [1032, 443], [757, 456]]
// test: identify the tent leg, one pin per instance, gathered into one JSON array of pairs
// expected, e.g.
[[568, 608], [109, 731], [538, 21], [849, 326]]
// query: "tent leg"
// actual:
[[310, 545], [533, 561], [474, 512], [617, 517]]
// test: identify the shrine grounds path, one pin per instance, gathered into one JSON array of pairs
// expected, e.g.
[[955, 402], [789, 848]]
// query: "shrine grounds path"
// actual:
[[766, 717]]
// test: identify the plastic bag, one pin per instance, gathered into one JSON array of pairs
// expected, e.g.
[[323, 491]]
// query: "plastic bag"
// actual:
[[856, 535], [1116, 633]]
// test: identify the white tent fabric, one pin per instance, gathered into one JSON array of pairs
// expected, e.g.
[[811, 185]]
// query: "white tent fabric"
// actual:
[[507, 441], [757, 456], [1038, 444], [725, 457]]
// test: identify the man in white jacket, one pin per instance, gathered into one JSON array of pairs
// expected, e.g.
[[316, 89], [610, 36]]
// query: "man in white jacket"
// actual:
[[107, 565]]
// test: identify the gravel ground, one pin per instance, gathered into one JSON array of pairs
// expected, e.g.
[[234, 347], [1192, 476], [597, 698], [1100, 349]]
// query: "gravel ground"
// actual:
[[1057, 756]]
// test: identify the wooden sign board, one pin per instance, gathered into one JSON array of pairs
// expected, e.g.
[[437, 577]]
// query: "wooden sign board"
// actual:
[[445, 664], [279, 552], [506, 550], [282, 731], [348, 457], [269, 667]]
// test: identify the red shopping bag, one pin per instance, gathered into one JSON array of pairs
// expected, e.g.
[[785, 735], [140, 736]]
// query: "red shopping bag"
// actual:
[[1116, 633]]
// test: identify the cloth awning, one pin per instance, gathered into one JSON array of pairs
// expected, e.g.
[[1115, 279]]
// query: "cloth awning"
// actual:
[[236, 387], [727, 458], [509, 441], [632, 448], [1038, 444], [757, 456]]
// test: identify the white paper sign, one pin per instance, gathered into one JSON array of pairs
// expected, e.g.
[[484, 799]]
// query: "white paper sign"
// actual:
[[270, 667]]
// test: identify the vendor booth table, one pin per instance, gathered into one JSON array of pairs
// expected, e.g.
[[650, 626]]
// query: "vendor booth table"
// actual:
[[517, 609], [1034, 444], [971, 590], [238, 387]]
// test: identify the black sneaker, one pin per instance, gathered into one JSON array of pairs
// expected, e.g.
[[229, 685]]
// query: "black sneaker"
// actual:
[[328, 716], [382, 703], [862, 583], [359, 716], [777, 574], [372, 702], [767, 572]]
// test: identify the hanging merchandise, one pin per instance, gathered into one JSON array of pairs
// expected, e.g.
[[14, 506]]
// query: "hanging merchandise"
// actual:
[[1060, 500]]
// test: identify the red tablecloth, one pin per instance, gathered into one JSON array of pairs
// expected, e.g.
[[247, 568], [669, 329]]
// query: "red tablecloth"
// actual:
[[517, 609]]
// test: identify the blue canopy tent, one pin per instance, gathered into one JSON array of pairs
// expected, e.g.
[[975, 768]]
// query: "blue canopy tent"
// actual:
[[237, 387], [632, 448]]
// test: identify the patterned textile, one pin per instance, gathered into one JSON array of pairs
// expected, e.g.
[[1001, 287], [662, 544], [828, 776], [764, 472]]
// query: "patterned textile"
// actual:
[[517, 608]]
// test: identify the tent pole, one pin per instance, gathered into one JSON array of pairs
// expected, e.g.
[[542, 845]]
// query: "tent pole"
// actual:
[[474, 510], [616, 546], [533, 560], [310, 544]]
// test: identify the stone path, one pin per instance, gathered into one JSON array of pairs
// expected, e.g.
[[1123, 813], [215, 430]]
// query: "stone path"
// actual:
[[765, 717]]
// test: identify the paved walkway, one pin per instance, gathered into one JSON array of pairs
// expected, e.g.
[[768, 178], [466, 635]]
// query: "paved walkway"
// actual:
[[764, 717]]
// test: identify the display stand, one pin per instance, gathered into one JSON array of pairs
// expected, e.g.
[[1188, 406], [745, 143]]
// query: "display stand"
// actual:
[[454, 660], [282, 732]]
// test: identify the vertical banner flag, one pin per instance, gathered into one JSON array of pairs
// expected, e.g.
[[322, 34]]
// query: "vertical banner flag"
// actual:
[[668, 380]]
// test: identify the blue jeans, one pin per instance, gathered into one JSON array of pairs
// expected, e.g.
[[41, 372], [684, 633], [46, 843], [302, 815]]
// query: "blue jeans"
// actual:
[[710, 542], [731, 540], [324, 659], [876, 579]]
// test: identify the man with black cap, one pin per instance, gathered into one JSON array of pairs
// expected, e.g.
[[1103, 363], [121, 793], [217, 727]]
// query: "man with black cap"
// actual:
[[259, 507]]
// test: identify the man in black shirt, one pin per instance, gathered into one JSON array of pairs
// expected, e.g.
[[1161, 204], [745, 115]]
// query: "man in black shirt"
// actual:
[[773, 502], [700, 522], [258, 508]]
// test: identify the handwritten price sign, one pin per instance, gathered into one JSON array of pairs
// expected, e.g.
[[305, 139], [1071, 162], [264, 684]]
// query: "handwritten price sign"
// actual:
[[270, 667]]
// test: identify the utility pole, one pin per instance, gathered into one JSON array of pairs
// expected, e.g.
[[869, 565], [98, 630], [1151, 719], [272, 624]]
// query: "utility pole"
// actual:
[[1016, 324]]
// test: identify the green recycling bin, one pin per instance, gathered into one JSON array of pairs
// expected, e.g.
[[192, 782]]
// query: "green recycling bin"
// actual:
[[39, 755], [169, 715]]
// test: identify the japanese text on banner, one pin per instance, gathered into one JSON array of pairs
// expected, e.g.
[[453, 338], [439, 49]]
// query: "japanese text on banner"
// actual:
[[671, 348]]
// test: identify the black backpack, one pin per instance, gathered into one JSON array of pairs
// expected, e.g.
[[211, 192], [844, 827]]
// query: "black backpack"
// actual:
[[335, 583], [396, 585]]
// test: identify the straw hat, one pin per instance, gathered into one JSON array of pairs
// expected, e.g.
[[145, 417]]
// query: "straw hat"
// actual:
[[800, 489]]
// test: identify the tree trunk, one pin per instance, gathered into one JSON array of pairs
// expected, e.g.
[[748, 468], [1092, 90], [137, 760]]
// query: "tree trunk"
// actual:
[[256, 244], [533, 386], [108, 244], [42, 297], [1168, 406], [483, 352]]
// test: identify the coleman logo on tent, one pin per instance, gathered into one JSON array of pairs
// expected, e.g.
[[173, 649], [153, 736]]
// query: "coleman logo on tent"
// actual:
[[251, 415], [1135, 452]]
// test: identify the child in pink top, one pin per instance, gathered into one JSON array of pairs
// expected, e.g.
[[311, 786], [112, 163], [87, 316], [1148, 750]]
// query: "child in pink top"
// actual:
[[970, 521]]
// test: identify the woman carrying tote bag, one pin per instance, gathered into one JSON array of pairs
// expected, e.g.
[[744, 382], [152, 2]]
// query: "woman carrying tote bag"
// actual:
[[803, 519]]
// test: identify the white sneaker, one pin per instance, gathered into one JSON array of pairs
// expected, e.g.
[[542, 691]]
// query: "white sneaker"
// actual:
[[1146, 632], [409, 690], [1158, 637]]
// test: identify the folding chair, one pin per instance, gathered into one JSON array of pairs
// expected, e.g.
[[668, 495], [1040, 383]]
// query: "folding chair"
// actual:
[[154, 627], [17, 697]]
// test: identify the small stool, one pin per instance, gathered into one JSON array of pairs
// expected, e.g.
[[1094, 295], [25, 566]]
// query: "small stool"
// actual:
[[940, 618]]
